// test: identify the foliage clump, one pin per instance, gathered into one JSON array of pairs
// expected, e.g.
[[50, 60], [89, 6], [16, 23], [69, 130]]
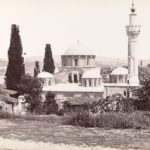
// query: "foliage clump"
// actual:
[[36, 68], [109, 120], [50, 106]]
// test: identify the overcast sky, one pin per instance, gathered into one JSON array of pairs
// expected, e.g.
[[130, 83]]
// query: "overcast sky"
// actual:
[[98, 24]]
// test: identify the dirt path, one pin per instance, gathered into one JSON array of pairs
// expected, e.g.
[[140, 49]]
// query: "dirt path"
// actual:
[[19, 134], [8, 144]]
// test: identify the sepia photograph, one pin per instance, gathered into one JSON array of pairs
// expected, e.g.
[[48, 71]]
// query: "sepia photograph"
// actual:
[[75, 75]]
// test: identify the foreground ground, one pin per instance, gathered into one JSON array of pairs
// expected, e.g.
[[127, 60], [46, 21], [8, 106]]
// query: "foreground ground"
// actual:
[[20, 134]]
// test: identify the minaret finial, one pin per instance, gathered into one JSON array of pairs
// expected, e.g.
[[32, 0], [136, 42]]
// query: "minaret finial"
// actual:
[[132, 9]]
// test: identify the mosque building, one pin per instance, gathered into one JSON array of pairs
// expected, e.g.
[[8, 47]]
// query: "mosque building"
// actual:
[[79, 77]]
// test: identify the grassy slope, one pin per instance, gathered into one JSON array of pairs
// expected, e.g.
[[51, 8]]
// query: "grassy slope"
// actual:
[[47, 131]]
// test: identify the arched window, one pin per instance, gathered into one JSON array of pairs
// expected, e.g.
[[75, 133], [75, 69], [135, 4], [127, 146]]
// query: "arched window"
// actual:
[[95, 82], [85, 83], [120, 79], [42, 81], [49, 82], [75, 78], [80, 77], [90, 83], [99, 82], [70, 78], [64, 61], [76, 62], [88, 61]]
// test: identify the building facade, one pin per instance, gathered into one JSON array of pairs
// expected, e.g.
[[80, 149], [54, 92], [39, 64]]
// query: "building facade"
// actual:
[[77, 76]]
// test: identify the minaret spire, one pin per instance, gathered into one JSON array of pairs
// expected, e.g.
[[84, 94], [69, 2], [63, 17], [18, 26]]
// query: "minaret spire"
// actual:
[[132, 8], [133, 31]]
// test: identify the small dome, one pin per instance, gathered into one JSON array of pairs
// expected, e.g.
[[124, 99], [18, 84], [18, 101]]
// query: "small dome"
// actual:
[[78, 49], [120, 71], [92, 73], [45, 75]]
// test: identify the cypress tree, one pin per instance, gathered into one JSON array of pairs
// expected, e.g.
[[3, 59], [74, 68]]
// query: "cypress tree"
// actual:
[[15, 68], [48, 60], [36, 68]]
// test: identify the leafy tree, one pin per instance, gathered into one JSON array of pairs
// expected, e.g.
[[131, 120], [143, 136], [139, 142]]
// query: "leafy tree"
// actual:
[[144, 74], [105, 71], [36, 68], [31, 88], [148, 66], [48, 60], [50, 105], [143, 96], [15, 68]]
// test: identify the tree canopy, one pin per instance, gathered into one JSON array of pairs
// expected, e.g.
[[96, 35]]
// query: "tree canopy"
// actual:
[[31, 88], [36, 68], [15, 68], [48, 60], [143, 96]]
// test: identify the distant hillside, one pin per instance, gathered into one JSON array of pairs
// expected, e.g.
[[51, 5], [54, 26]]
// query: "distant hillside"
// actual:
[[107, 61], [111, 62], [30, 62], [100, 61]]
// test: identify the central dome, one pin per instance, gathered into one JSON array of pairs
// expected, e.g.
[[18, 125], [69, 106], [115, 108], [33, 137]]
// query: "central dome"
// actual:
[[78, 49], [120, 71]]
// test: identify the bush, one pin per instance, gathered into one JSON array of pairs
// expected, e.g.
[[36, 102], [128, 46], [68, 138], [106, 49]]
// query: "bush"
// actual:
[[50, 105], [31, 87], [135, 120], [4, 115], [48, 118], [60, 112], [143, 96]]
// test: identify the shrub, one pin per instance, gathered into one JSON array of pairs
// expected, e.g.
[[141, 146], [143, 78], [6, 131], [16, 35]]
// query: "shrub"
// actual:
[[31, 87], [143, 96], [4, 115], [135, 120], [47, 118], [50, 105], [60, 112]]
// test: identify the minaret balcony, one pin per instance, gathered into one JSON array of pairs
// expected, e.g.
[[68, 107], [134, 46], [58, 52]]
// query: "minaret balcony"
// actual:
[[133, 28], [133, 31]]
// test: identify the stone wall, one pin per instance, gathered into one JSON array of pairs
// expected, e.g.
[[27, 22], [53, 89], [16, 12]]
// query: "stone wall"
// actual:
[[65, 96], [111, 90], [4, 107]]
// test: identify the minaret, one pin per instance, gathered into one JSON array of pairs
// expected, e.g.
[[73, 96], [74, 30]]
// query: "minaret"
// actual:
[[133, 31]]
